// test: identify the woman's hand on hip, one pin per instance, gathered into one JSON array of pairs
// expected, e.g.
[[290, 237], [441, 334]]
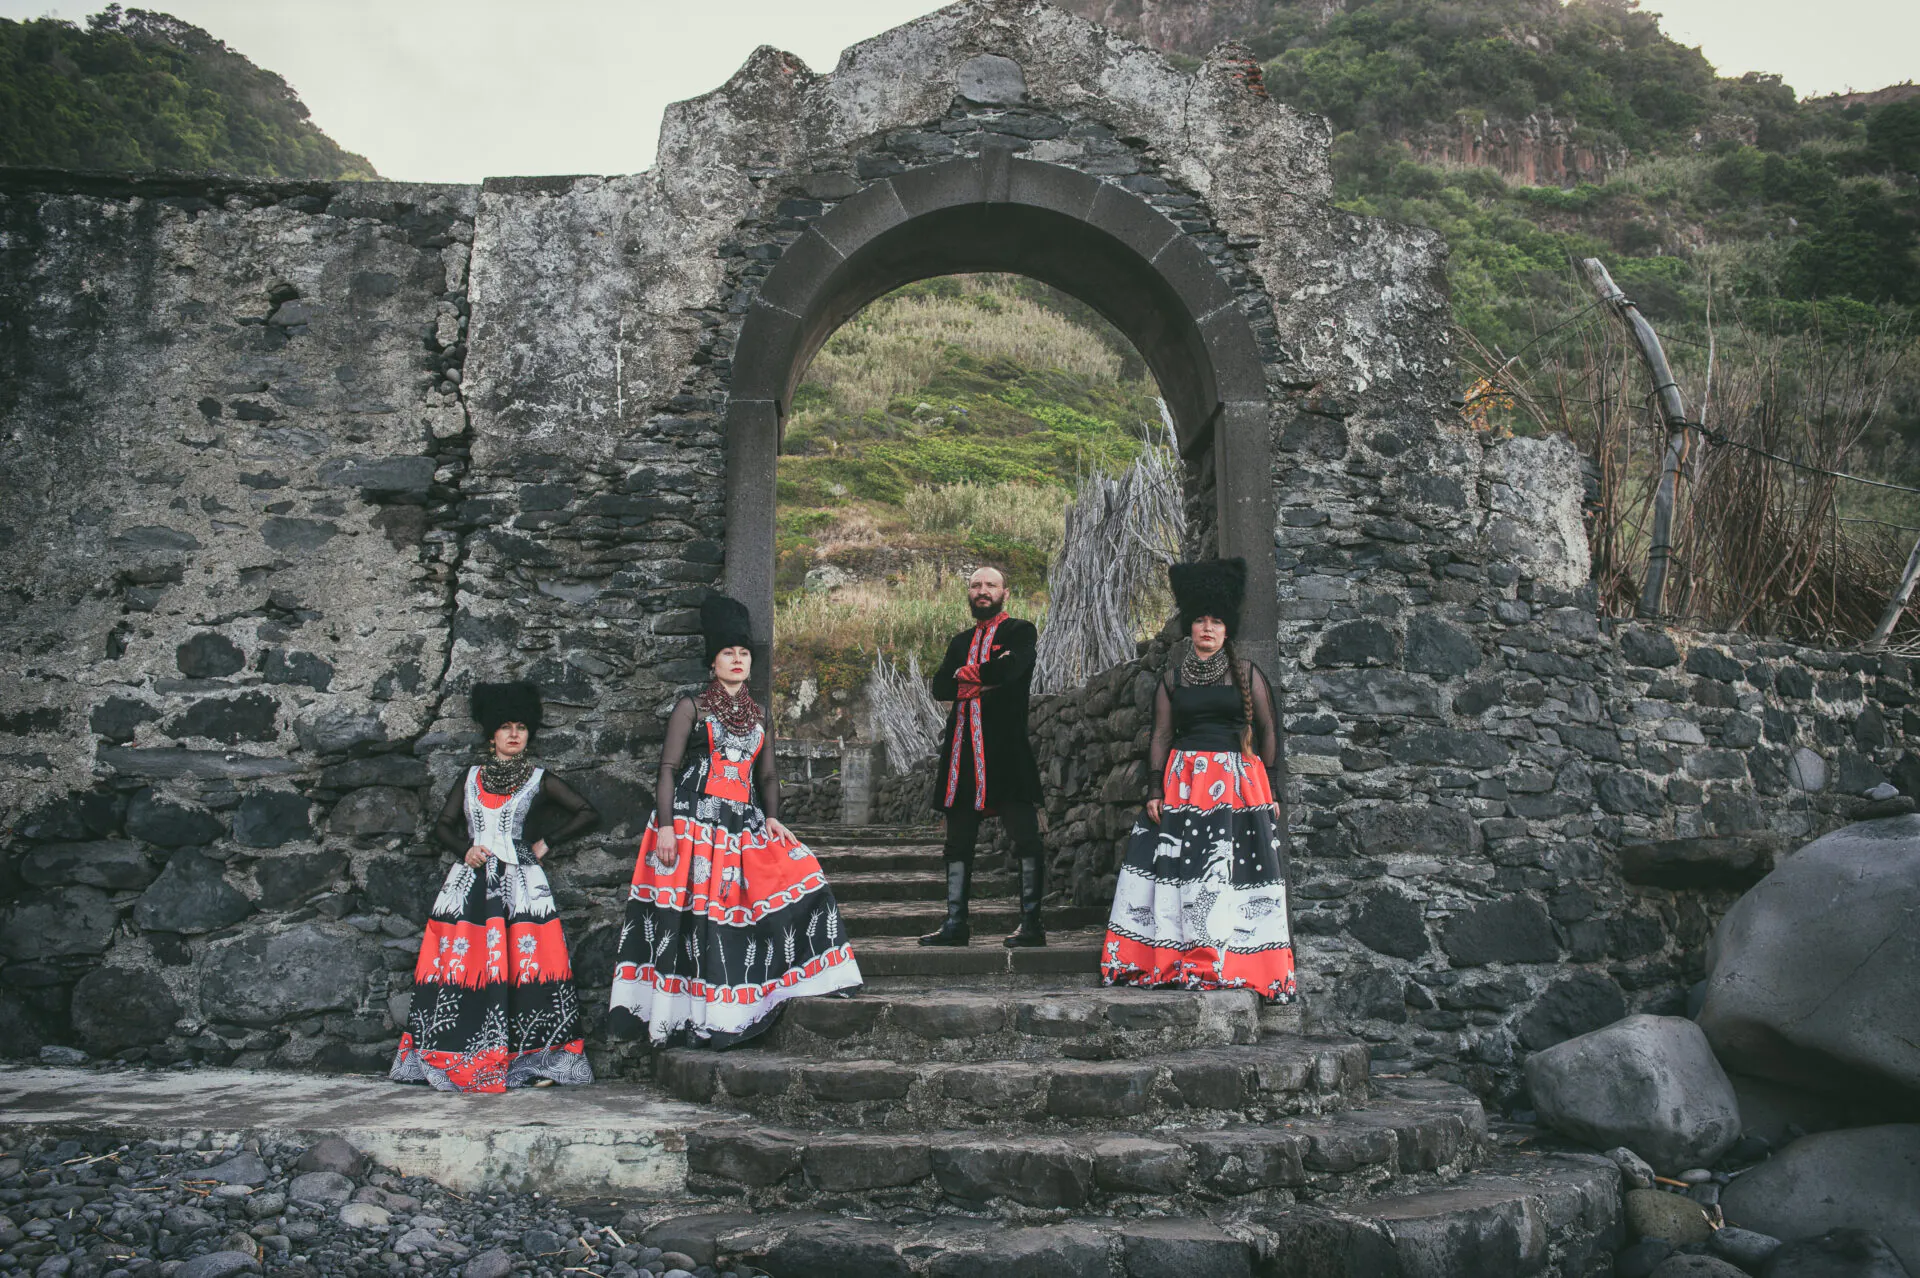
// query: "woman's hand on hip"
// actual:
[[779, 831], [539, 849]]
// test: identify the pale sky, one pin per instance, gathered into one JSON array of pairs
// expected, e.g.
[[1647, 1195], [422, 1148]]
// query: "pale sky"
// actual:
[[439, 90]]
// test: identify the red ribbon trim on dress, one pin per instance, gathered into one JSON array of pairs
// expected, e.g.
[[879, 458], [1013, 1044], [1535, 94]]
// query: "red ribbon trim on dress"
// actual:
[[967, 721]]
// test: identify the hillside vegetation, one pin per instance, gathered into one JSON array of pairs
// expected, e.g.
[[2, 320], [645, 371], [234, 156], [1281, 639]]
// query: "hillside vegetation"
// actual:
[[135, 90], [942, 428]]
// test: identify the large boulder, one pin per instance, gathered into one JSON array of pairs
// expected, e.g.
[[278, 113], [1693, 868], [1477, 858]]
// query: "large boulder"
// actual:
[[1860, 1178], [1647, 1082], [265, 979], [191, 895], [1843, 1253], [42, 925], [120, 1007], [1814, 975]]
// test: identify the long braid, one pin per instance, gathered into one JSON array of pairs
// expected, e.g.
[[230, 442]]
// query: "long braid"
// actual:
[[1246, 698]]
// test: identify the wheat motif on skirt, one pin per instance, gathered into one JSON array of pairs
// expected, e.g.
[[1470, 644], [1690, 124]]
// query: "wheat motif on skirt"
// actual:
[[743, 922], [1202, 899], [493, 999]]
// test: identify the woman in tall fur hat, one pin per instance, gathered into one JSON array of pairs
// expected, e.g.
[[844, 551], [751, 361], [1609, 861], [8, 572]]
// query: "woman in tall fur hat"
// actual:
[[1202, 899], [493, 1000], [729, 915]]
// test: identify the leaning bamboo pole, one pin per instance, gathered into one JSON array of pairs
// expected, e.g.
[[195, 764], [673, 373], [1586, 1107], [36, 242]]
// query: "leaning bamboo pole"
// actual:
[[1673, 410]]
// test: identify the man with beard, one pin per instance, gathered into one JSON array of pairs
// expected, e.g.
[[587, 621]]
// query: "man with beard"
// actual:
[[986, 762]]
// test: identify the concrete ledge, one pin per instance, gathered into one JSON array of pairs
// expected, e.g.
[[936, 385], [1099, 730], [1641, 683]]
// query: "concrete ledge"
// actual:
[[620, 1139]]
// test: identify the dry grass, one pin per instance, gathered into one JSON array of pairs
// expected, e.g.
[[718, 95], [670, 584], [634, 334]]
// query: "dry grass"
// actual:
[[1032, 513], [914, 612], [896, 345]]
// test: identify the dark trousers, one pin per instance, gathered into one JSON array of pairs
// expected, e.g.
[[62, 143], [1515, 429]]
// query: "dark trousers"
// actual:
[[1022, 822]]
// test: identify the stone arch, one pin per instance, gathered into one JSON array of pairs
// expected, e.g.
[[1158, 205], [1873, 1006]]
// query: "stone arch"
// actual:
[[997, 212]]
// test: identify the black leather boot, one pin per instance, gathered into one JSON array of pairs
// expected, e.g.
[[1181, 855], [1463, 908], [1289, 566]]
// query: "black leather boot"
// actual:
[[1033, 886], [955, 930]]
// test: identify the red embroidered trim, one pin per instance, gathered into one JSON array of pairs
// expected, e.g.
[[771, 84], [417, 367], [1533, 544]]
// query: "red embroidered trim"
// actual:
[[967, 719]]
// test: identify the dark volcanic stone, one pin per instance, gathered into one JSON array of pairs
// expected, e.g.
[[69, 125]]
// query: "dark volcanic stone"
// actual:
[[120, 1007], [401, 770], [191, 895], [1181, 1248], [1390, 922], [1038, 1172], [1357, 643], [1626, 793], [291, 878], [117, 718], [1514, 930], [1414, 828], [266, 978], [170, 825], [1056, 1251], [1448, 747], [296, 667], [1436, 648], [748, 1156], [1838, 1253], [1714, 664], [248, 717], [1648, 648], [271, 817], [405, 885], [1582, 1002], [75, 920], [834, 1248], [209, 655], [114, 864], [1736, 861], [378, 809]]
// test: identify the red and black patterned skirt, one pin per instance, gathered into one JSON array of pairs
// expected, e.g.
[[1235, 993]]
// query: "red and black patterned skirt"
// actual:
[[493, 999], [1202, 899]]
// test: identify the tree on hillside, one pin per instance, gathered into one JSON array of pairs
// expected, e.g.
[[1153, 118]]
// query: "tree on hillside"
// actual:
[[138, 90]]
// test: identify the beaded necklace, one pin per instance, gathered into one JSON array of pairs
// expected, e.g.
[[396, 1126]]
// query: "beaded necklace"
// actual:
[[737, 712], [1197, 671], [505, 776]]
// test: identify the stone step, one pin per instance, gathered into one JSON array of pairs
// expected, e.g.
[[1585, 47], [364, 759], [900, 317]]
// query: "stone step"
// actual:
[[1425, 1129], [918, 885], [915, 1020], [992, 918], [1544, 1217], [1068, 953], [867, 835], [853, 860], [1256, 1083]]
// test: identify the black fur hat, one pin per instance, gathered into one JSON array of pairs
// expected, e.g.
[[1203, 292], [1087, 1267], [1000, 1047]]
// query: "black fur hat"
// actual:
[[1210, 588], [724, 624], [496, 703]]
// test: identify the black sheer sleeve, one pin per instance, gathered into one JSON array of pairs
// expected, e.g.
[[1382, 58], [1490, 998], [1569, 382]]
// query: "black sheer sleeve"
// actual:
[[451, 827], [581, 815], [766, 773], [1162, 743], [672, 754], [1266, 729]]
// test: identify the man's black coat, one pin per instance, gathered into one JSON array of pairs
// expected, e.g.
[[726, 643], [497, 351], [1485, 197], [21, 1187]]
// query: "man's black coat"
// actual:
[[1005, 677]]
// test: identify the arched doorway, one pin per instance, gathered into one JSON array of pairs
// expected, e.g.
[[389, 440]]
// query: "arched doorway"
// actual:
[[996, 212]]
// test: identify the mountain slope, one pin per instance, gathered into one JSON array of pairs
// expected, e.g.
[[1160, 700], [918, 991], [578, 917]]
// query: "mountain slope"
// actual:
[[137, 90]]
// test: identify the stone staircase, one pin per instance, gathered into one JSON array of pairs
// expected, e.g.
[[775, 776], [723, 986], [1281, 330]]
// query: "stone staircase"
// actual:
[[982, 1111]]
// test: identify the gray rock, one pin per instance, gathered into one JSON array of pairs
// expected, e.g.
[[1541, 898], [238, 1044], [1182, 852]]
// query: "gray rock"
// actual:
[[324, 1188], [1640, 1259], [1743, 1247], [415, 1239], [75, 920], [1647, 1082], [331, 1154], [241, 1169], [1861, 1178], [263, 1206], [251, 716], [266, 978], [1840, 1253], [494, 1263], [338, 730], [54, 1054], [1812, 972], [375, 810], [1692, 1266], [1654, 1213], [170, 825], [290, 878], [219, 1264], [115, 864], [364, 1215], [191, 895], [209, 655], [1513, 929], [1735, 860], [1633, 1168], [541, 1242], [188, 1219], [269, 818], [991, 80]]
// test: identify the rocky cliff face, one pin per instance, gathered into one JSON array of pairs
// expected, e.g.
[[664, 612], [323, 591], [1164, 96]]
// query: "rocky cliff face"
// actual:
[[1538, 150]]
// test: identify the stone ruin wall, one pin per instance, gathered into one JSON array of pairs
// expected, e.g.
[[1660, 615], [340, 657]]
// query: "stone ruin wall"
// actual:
[[293, 465]]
